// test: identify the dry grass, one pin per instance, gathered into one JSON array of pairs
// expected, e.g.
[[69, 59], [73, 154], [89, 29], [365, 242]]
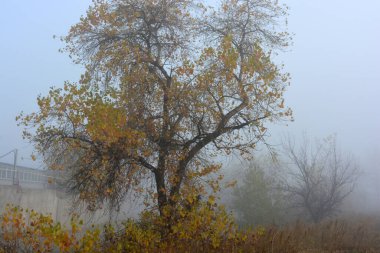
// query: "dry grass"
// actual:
[[205, 230], [329, 236]]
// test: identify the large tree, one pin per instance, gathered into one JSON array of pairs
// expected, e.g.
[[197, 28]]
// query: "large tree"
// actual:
[[168, 83]]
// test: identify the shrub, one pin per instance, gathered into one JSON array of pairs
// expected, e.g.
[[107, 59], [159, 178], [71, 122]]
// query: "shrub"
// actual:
[[206, 228]]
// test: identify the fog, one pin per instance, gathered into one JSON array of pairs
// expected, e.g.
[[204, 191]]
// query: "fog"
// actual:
[[334, 64]]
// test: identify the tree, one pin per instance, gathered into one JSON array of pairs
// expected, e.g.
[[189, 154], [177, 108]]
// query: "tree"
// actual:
[[168, 83], [321, 177], [257, 199]]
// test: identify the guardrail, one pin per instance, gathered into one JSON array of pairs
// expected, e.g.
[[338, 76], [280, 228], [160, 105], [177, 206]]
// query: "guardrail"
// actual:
[[25, 176], [6, 174]]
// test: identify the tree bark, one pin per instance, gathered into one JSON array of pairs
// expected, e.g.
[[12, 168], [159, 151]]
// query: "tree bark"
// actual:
[[161, 190]]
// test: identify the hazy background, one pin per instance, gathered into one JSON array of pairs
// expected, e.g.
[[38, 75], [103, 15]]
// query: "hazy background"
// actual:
[[334, 64]]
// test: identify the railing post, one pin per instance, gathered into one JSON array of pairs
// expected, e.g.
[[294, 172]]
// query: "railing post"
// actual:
[[15, 171]]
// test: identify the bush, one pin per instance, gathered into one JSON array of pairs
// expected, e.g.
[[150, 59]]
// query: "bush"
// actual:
[[28, 231], [204, 228]]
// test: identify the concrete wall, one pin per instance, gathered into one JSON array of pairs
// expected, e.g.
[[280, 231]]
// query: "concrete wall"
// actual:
[[56, 203]]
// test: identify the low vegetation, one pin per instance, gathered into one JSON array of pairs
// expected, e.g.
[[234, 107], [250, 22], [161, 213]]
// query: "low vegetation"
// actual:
[[208, 228]]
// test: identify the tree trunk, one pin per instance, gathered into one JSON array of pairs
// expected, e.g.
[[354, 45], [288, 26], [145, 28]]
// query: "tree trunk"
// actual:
[[161, 191]]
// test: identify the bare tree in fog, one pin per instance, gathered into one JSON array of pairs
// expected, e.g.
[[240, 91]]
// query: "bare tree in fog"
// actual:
[[320, 176]]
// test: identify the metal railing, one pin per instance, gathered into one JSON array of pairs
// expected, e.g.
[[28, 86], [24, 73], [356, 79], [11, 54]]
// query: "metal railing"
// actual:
[[26, 176], [6, 174]]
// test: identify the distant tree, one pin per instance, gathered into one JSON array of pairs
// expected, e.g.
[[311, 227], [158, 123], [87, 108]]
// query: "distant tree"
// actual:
[[168, 83], [256, 199], [320, 177]]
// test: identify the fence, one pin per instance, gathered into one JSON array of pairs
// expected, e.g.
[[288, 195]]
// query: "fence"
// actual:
[[27, 176]]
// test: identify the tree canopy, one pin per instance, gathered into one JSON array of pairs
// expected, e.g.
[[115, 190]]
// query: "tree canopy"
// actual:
[[168, 84]]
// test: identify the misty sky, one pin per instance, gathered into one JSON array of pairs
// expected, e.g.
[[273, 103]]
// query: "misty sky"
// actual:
[[334, 64]]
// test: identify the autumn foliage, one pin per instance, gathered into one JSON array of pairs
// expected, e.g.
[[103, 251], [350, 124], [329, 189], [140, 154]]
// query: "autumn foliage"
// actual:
[[207, 229], [28, 231]]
